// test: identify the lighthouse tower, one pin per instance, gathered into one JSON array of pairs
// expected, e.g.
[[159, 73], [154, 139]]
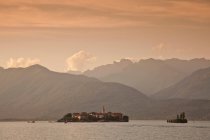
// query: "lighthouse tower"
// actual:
[[103, 110]]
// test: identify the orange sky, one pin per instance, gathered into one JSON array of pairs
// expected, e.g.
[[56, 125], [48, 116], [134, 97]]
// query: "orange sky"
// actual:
[[103, 13], [52, 31]]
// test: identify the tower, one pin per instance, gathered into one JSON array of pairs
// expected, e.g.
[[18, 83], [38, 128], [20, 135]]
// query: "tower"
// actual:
[[103, 111]]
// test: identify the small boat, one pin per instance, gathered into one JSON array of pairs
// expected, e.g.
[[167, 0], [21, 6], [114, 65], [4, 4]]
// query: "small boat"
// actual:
[[31, 121], [180, 119]]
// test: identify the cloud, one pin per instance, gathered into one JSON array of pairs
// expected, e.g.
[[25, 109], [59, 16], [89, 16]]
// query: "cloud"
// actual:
[[128, 58], [166, 51], [160, 47], [132, 59], [21, 62], [105, 13], [80, 61], [160, 50]]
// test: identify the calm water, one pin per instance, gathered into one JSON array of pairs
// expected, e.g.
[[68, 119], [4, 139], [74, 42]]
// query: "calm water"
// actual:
[[134, 130]]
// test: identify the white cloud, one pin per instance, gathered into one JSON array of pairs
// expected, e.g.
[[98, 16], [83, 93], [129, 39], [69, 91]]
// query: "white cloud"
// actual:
[[21, 62], [133, 59], [159, 47], [80, 61], [160, 50], [128, 58]]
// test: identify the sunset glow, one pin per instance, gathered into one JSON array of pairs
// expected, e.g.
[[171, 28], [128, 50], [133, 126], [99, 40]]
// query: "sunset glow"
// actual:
[[53, 31]]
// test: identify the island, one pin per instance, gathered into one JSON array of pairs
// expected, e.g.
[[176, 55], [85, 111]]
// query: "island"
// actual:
[[94, 117], [180, 119]]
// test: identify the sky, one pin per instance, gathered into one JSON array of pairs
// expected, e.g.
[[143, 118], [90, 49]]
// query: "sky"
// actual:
[[78, 35]]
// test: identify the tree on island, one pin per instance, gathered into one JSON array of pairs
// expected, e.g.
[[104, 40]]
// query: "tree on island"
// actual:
[[66, 118], [182, 115], [177, 117]]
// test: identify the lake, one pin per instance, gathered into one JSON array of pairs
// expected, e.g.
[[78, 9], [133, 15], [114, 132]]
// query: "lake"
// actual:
[[134, 130]]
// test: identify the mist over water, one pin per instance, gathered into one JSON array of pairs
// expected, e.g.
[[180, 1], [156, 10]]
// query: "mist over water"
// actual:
[[134, 130]]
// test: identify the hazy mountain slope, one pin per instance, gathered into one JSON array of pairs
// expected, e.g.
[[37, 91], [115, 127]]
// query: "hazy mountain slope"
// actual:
[[109, 69], [38, 92], [150, 75], [195, 86], [188, 66]]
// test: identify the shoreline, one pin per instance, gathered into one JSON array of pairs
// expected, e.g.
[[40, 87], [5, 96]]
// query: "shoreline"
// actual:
[[55, 121]]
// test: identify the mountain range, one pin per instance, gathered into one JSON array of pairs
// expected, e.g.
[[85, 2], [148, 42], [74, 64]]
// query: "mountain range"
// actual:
[[150, 75], [38, 93], [195, 86]]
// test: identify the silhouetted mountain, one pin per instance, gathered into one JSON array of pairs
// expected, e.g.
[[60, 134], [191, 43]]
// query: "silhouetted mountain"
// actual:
[[150, 75], [195, 86], [38, 93], [109, 69]]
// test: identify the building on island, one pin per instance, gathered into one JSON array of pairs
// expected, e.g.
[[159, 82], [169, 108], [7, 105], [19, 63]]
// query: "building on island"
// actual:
[[95, 117]]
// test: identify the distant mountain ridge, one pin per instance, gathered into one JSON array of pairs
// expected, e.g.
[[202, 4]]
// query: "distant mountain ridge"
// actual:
[[149, 75], [195, 86], [38, 93]]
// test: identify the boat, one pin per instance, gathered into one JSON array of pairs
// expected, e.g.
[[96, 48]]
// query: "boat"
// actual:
[[31, 121], [180, 119]]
